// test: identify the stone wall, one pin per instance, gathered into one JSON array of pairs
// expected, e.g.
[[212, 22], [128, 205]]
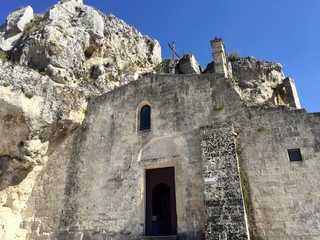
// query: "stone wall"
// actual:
[[98, 190], [93, 186], [225, 215], [284, 195]]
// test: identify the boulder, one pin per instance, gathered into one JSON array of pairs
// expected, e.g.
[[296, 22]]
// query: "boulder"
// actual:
[[189, 65], [185, 65], [209, 68], [168, 66], [16, 22]]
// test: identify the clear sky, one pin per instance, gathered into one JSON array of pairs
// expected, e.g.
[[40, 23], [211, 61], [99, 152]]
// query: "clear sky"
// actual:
[[284, 31]]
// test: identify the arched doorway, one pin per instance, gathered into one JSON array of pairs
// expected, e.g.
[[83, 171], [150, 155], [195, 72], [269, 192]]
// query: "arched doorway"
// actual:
[[161, 219]]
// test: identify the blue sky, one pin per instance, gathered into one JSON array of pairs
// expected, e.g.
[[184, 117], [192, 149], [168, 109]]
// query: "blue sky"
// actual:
[[284, 31]]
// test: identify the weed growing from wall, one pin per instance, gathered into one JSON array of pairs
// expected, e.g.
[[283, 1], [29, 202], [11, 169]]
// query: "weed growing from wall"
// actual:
[[120, 71], [233, 80], [234, 56], [4, 55], [29, 94], [219, 106], [261, 129], [90, 97]]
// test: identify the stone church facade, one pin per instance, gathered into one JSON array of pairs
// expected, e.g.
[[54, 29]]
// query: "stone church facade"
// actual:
[[183, 155], [179, 153]]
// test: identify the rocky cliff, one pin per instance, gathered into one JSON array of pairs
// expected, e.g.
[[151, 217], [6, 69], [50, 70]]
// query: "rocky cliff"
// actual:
[[50, 65], [75, 44], [257, 80]]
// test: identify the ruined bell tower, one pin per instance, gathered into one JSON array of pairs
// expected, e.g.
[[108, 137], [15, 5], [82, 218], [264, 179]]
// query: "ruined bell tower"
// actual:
[[219, 56]]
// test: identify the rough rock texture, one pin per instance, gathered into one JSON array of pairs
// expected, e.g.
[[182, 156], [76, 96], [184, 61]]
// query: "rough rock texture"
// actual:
[[209, 68], [12, 30], [168, 66], [74, 49], [36, 115], [71, 39], [189, 65], [225, 214], [257, 79], [185, 65]]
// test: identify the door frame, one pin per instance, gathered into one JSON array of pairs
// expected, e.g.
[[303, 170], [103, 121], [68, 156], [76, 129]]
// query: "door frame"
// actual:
[[164, 175]]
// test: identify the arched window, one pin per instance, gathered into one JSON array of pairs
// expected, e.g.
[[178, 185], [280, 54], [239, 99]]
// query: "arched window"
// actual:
[[145, 114]]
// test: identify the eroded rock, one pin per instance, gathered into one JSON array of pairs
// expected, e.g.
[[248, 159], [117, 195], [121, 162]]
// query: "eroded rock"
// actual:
[[189, 65], [12, 30], [185, 65], [72, 38], [257, 79], [168, 66], [37, 114]]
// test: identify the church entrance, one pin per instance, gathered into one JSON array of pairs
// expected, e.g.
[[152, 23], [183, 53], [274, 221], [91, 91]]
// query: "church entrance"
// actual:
[[161, 217]]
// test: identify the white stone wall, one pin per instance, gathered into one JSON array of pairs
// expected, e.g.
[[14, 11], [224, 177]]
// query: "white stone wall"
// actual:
[[284, 195]]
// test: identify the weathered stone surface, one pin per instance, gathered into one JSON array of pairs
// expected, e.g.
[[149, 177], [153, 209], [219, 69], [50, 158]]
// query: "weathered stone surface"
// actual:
[[19, 19], [72, 29], [168, 66], [185, 65], [283, 200], [12, 30], [257, 79], [120, 173], [189, 65], [36, 115], [219, 55], [224, 210], [62, 181]]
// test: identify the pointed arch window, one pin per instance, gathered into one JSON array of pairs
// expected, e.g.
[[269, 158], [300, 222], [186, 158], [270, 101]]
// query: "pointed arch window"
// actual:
[[145, 118]]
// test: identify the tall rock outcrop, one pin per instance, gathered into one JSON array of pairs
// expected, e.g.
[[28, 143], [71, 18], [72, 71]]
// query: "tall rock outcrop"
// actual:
[[74, 50], [36, 114], [257, 79], [185, 65], [72, 39]]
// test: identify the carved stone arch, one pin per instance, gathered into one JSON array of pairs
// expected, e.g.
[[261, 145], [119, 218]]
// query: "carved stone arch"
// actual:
[[159, 148]]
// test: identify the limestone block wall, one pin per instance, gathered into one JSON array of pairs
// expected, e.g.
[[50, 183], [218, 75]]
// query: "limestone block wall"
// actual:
[[284, 195], [224, 209], [94, 184]]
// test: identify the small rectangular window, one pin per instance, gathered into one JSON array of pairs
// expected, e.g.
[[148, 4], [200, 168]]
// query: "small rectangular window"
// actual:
[[294, 155]]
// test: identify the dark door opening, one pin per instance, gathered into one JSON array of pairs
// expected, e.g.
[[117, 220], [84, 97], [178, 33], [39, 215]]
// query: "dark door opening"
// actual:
[[161, 219]]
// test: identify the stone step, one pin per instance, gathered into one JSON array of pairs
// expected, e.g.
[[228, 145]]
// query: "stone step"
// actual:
[[171, 237]]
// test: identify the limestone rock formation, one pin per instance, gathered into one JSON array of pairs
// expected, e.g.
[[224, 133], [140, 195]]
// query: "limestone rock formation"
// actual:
[[257, 79], [13, 29], [189, 65], [74, 50], [71, 39], [36, 114], [168, 66], [185, 65]]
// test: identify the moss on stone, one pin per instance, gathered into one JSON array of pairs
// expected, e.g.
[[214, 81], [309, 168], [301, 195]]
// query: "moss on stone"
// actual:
[[245, 188]]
